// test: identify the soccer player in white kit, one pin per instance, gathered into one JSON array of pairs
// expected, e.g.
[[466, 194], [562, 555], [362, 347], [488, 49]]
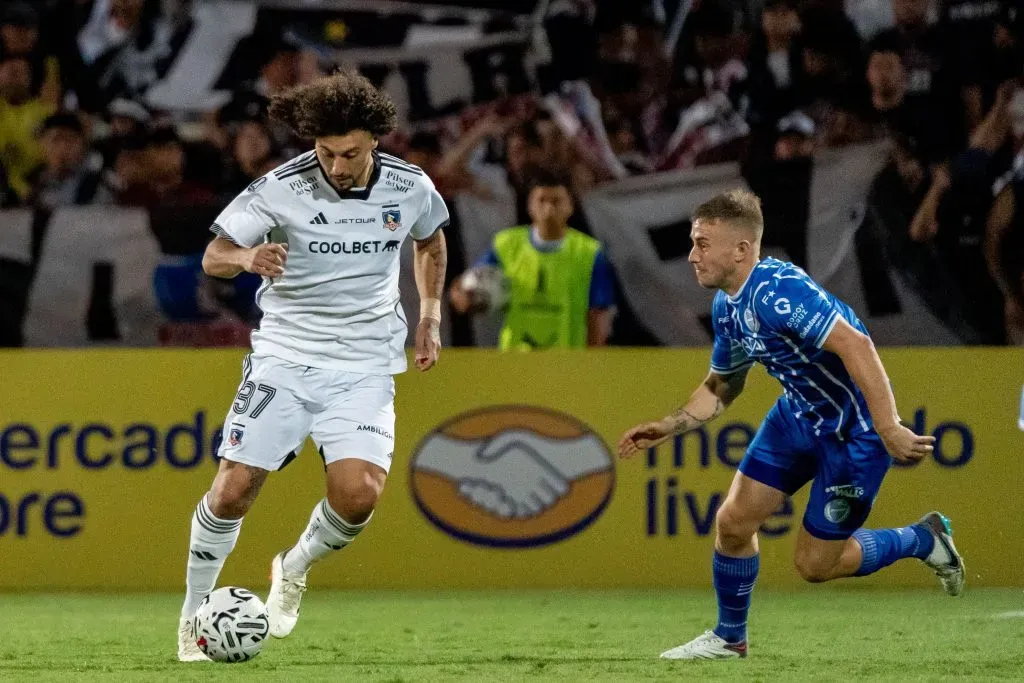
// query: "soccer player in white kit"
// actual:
[[324, 230]]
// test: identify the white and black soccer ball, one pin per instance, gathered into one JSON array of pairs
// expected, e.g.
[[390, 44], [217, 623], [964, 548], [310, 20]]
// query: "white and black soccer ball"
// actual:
[[488, 285], [231, 625]]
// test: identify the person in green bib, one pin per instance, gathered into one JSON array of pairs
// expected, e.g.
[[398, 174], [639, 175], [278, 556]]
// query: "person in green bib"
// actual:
[[560, 285]]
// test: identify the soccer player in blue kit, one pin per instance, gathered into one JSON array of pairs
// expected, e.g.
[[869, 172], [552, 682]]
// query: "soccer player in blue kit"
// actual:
[[836, 423]]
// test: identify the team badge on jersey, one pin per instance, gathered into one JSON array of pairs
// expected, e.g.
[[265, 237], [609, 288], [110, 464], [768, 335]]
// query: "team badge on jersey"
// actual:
[[392, 219], [234, 437]]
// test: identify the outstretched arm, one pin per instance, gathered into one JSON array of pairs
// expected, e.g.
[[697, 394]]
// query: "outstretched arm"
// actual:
[[429, 264], [709, 401], [858, 354]]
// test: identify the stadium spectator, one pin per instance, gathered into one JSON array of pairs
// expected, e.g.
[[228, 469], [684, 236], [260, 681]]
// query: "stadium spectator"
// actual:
[[796, 137], [125, 119], [930, 61], [20, 37], [560, 284], [69, 175], [1004, 253], [931, 131], [775, 85], [573, 41], [523, 148], [171, 177], [967, 28], [709, 62], [252, 154], [831, 60], [624, 144], [20, 117]]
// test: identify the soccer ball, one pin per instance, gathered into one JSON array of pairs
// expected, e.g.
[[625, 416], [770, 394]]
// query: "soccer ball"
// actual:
[[487, 284], [231, 625]]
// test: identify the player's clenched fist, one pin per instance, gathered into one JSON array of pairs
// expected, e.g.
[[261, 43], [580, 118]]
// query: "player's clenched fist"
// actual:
[[267, 259], [904, 445], [642, 437], [428, 344]]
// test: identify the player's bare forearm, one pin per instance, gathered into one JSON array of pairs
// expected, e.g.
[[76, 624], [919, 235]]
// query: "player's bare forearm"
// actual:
[[224, 258], [430, 262], [858, 354], [708, 402]]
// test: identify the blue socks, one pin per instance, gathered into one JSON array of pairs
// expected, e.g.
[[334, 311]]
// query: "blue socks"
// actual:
[[882, 547], [734, 579]]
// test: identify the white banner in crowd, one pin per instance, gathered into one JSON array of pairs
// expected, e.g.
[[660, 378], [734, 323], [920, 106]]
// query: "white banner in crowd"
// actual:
[[437, 64], [77, 241], [626, 217]]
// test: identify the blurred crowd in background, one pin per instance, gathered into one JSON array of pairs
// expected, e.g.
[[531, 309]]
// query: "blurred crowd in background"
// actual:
[[622, 89]]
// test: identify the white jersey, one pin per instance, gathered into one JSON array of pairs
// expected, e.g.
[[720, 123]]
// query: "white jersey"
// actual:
[[336, 306]]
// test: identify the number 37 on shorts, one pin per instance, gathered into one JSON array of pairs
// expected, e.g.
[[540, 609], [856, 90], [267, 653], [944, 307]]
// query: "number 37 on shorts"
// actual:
[[279, 404]]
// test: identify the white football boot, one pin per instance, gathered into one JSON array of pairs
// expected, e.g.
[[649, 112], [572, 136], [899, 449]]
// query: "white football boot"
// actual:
[[944, 559], [286, 591], [707, 646], [188, 651]]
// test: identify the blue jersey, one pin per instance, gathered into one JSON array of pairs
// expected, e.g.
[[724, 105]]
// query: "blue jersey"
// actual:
[[781, 318]]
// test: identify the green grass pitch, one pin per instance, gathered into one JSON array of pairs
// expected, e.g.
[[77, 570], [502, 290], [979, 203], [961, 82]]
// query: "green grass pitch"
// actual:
[[827, 633]]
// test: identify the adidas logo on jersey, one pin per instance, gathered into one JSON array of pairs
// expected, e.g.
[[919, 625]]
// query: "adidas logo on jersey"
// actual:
[[319, 219]]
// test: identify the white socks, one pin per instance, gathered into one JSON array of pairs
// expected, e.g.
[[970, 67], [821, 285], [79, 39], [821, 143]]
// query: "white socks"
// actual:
[[325, 533], [210, 543]]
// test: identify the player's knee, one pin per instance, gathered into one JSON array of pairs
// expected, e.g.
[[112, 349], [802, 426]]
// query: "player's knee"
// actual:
[[233, 492], [811, 569], [229, 501], [733, 531], [356, 497]]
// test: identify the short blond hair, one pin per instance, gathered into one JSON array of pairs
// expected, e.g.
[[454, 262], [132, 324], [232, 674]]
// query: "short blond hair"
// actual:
[[740, 208]]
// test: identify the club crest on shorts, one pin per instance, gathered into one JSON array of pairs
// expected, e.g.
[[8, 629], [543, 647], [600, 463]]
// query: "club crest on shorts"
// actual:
[[837, 510], [513, 476], [392, 219], [234, 437]]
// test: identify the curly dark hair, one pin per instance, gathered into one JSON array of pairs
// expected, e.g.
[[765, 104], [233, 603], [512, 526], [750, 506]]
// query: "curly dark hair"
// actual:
[[335, 105]]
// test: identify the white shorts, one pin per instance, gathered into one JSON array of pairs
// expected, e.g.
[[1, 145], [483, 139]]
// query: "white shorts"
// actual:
[[279, 404]]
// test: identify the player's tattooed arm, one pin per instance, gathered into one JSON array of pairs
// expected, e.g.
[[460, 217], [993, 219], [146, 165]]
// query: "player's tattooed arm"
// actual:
[[430, 263], [708, 402]]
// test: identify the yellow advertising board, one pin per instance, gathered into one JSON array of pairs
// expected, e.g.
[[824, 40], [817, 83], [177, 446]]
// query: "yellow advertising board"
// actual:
[[503, 474]]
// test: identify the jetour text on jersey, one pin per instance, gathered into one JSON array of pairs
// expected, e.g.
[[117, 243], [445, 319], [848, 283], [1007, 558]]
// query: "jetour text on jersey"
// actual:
[[364, 247]]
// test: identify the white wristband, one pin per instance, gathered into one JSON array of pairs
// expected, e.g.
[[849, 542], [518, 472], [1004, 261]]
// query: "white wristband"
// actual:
[[430, 308]]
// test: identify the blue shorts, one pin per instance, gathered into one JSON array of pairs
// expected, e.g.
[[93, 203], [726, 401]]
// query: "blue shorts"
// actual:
[[785, 454]]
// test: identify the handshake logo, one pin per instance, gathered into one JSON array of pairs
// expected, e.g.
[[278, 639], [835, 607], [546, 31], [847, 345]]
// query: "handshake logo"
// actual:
[[512, 476]]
